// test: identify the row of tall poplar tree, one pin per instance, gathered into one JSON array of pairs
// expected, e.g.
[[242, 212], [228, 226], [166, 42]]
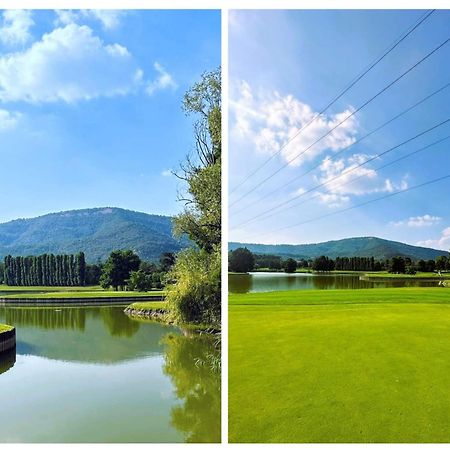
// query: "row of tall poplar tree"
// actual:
[[45, 270]]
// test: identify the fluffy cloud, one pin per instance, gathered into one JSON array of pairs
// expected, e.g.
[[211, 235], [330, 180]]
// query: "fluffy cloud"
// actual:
[[163, 81], [166, 173], [418, 221], [15, 26], [109, 18], [270, 120], [333, 200], [443, 242], [68, 64], [339, 175], [8, 119]]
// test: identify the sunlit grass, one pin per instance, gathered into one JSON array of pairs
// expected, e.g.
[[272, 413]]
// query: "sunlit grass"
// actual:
[[340, 366], [72, 292], [4, 328]]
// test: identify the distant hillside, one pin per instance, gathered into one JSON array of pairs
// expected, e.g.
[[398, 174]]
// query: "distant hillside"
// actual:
[[358, 246], [95, 231]]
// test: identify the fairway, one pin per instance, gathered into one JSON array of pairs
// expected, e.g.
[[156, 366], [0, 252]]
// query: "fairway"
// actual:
[[67, 293], [340, 366]]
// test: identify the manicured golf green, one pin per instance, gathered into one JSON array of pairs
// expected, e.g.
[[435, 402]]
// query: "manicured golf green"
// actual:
[[340, 366]]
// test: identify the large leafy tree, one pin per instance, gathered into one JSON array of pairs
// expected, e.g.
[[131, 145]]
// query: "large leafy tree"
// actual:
[[201, 220], [241, 260], [118, 268], [195, 294], [290, 265]]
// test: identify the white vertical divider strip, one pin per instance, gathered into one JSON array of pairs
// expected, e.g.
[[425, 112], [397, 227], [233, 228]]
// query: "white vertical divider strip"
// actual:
[[225, 175]]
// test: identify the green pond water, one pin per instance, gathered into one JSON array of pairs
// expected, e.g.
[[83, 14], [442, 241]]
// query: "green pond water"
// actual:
[[92, 374], [278, 281]]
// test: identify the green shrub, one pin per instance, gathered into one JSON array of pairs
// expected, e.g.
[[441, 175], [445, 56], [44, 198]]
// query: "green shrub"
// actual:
[[195, 295]]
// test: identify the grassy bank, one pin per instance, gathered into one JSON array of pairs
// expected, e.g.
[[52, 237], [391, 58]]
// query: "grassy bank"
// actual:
[[4, 328], [383, 274], [431, 275], [158, 310], [340, 366], [149, 306], [80, 292]]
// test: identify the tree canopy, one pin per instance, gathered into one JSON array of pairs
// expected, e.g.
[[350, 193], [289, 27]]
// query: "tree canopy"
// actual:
[[241, 260], [290, 265], [194, 294], [118, 268]]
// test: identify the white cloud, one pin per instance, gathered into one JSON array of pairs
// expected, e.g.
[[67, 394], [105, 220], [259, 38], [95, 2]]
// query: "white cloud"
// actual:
[[333, 200], [418, 221], [163, 81], [339, 174], [68, 64], [166, 173], [8, 119], [109, 18], [66, 16], [443, 242], [269, 120], [15, 26]]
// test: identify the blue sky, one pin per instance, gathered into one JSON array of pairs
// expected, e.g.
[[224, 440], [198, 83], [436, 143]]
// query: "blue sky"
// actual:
[[90, 106], [285, 66]]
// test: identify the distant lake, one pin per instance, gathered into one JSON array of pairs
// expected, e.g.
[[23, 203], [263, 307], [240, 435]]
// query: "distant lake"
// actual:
[[93, 374], [279, 281]]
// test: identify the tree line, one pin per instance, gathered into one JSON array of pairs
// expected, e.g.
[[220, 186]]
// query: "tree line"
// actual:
[[125, 270], [243, 260], [45, 270], [122, 270]]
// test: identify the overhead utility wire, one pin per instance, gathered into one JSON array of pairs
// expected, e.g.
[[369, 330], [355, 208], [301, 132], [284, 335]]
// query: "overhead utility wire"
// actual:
[[348, 117], [335, 155], [352, 180], [346, 172], [362, 204], [390, 48]]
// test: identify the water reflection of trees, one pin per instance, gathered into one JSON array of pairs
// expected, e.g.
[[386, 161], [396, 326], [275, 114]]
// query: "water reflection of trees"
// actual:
[[197, 384], [7, 360], [47, 318], [118, 323], [280, 282]]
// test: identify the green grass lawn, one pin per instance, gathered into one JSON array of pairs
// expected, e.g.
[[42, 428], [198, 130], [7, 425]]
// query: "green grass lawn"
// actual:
[[367, 365], [4, 328], [73, 292], [149, 306], [403, 275]]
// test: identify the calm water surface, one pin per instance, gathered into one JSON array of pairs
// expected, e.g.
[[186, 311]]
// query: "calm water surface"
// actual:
[[278, 281], [92, 374]]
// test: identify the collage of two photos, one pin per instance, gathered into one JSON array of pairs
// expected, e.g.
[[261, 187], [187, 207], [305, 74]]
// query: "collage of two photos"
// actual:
[[290, 287]]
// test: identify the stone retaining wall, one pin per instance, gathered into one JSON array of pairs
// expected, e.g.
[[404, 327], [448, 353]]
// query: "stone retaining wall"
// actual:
[[7, 340], [75, 301]]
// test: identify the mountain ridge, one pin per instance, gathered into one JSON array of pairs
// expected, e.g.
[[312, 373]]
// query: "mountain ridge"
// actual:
[[365, 246], [96, 231]]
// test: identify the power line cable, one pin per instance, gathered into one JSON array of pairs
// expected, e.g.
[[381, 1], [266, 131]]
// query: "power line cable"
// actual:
[[359, 205], [340, 123], [355, 80], [354, 179], [335, 155], [346, 172]]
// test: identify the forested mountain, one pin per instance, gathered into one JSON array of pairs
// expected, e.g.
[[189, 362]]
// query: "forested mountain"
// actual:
[[358, 246], [96, 232]]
